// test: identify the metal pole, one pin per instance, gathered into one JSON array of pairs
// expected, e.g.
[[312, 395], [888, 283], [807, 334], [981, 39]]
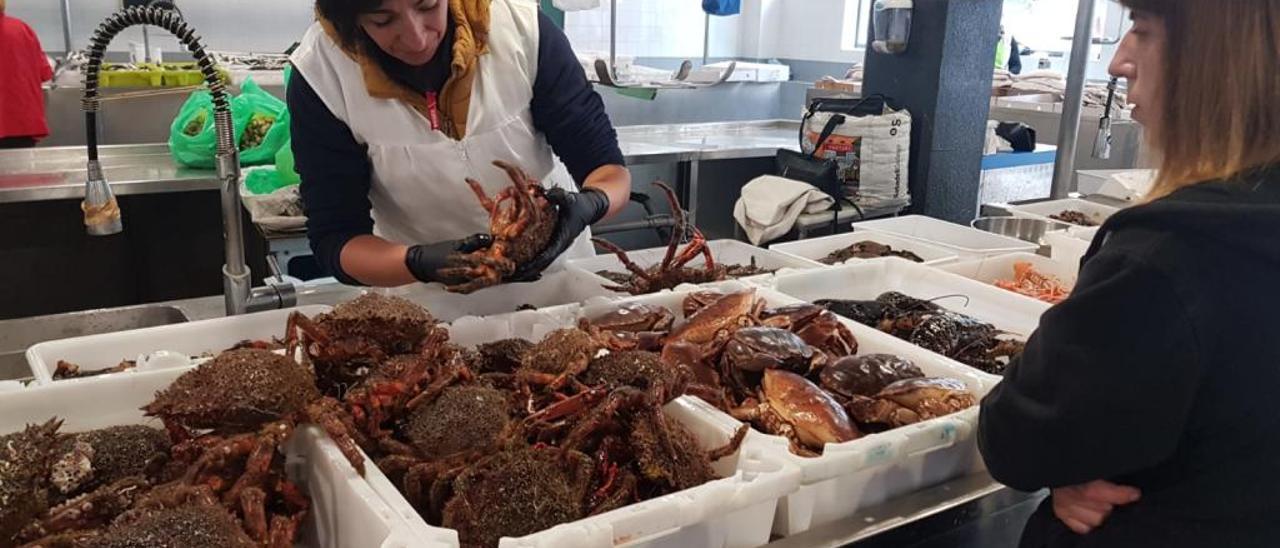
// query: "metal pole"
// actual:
[[66, 28], [613, 39], [1069, 131], [706, 39]]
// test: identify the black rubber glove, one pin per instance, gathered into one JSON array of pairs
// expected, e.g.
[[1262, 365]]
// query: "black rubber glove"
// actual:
[[425, 261], [577, 211]]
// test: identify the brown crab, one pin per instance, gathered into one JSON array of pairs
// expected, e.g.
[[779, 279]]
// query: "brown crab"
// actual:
[[816, 325], [521, 221], [672, 270], [750, 351], [910, 401], [866, 375], [791, 406], [720, 318], [519, 492], [345, 344], [636, 325], [91, 511]]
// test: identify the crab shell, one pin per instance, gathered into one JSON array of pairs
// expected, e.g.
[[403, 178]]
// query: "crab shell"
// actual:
[[636, 317], [816, 417], [930, 396], [756, 349], [720, 317], [238, 389], [866, 375], [395, 324], [24, 464]]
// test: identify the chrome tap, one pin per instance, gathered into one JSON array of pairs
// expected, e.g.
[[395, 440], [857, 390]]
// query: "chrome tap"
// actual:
[[101, 213]]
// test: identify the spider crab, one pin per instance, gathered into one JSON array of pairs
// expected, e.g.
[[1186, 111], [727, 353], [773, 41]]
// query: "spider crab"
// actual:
[[248, 402], [672, 271], [521, 221]]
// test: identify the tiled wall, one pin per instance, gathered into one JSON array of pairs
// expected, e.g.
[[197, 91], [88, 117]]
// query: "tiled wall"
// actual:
[[654, 28]]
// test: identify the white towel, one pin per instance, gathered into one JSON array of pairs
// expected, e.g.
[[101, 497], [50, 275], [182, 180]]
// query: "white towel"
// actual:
[[770, 205], [575, 5]]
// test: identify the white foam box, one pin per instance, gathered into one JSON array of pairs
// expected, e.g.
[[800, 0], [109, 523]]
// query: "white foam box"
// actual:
[[991, 269], [1008, 311], [554, 289], [345, 510], [816, 249], [1096, 212], [722, 251], [190, 339], [965, 241], [864, 472]]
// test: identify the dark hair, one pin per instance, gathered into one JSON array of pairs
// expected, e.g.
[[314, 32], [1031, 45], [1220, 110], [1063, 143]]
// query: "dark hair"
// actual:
[[342, 15]]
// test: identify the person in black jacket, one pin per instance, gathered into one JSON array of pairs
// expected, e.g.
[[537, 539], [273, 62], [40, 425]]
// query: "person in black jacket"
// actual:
[[1148, 400]]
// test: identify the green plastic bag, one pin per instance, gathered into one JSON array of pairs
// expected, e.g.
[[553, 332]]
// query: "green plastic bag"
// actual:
[[193, 141], [284, 165], [266, 126], [262, 181]]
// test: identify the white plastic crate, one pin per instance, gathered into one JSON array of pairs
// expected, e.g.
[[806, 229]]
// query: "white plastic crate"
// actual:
[[723, 251], [1001, 268], [345, 511], [816, 249], [965, 241], [735, 511], [1008, 311], [1096, 212], [104, 350], [554, 289], [860, 473], [1067, 248]]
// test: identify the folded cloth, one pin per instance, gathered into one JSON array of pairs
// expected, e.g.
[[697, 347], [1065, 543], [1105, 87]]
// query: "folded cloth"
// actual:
[[575, 5], [770, 205]]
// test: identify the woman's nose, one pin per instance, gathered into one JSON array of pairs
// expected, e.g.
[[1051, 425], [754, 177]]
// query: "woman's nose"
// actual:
[[1123, 64], [415, 35]]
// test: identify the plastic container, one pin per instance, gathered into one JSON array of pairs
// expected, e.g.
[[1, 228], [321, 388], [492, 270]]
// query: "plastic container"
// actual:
[[734, 511], [723, 251], [145, 77], [1067, 248], [1008, 311], [345, 510], [991, 269], [1096, 212], [965, 241], [554, 289], [860, 473], [816, 249], [93, 352]]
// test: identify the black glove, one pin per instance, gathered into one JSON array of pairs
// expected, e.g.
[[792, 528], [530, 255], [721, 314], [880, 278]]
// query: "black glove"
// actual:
[[578, 210], [425, 261]]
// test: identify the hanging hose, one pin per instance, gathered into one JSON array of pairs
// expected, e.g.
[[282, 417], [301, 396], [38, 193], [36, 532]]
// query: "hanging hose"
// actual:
[[172, 22]]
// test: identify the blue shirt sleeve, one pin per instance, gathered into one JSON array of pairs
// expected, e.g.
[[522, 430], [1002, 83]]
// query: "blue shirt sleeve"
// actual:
[[336, 176], [567, 109]]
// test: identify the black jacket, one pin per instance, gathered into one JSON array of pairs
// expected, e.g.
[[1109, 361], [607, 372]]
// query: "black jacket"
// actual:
[[1161, 371]]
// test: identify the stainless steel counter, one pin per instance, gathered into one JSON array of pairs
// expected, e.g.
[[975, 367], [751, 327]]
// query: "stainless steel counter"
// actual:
[[57, 173]]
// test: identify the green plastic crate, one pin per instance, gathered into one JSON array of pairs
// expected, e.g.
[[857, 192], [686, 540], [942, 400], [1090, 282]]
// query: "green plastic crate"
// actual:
[[145, 77]]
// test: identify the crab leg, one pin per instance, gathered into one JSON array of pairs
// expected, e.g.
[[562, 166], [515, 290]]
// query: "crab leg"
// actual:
[[729, 448], [489, 204], [677, 234], [622, 256]]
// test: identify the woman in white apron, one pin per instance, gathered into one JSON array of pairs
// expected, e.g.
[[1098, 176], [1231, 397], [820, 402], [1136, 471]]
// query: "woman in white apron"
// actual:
[[395, 103]]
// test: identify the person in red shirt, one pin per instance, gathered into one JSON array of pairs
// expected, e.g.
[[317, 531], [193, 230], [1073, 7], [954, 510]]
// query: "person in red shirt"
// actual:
[[23, 68]]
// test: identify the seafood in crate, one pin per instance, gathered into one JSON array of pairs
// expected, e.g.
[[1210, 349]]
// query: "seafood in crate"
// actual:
[[695, 262], [868, 249], [920, 411], [933, 327], [1033, 283], [216, 466], [789, 370]]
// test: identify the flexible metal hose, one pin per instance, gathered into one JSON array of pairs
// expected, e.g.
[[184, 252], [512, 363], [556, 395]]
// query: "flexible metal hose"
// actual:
[[172, 22]]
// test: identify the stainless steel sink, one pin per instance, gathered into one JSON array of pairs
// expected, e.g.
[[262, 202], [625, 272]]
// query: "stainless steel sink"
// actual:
[[19, 334]]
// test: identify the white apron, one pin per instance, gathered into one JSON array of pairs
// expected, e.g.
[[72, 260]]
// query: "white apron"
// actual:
[[419, 191]]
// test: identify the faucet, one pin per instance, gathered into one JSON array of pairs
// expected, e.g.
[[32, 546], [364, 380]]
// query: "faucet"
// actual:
[[101, 212]]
